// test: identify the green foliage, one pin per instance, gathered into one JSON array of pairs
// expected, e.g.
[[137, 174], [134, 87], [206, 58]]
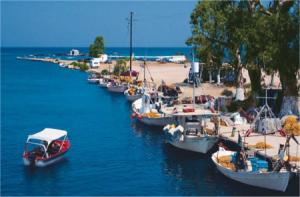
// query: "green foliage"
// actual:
[[253, 35], [82, 66], [105, 72], [120, 67], [97, 47]]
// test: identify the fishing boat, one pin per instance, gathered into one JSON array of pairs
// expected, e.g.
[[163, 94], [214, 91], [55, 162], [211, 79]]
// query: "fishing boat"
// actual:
[[133, 93], [148, 111], [93, 78], [256, 172], [117, 87], [45, 147], [190, 133]]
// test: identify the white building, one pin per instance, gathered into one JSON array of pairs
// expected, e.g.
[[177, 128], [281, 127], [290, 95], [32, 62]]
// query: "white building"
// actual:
[[74, 52], [103, 58], [177, 59], [95, 62]]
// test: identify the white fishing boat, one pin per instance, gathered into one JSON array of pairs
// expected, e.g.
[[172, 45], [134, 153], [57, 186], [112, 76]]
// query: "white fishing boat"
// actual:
[[190, 133], [256, 172], [147, 111], [45, 147], [116, 87]]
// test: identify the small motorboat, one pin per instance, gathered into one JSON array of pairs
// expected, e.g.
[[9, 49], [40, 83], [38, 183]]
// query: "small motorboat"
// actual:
[[45, 147], [254, 172]]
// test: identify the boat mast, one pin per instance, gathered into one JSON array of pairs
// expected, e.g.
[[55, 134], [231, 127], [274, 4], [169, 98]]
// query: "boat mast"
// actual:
[[144, 72], [130, 40]]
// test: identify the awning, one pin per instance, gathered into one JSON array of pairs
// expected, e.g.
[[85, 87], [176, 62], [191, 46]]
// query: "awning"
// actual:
[[48, 134]]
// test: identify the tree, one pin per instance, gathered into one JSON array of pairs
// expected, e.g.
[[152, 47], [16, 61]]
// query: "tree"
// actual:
[[253, 35], [105, 72], [97, 47], [282, 49], [120, 67]]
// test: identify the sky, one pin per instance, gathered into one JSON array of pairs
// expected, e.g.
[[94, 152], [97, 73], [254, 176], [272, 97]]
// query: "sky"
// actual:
[[77, 23]]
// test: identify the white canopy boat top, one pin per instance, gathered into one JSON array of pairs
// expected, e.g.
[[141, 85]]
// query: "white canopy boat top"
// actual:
[[48, 135], [178, 110]]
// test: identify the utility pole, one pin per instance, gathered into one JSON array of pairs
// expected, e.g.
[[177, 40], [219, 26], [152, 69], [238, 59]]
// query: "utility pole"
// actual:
[[130, 51]]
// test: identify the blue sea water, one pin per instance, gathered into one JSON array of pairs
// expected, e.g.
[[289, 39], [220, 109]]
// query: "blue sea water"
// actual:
[[110, 153]]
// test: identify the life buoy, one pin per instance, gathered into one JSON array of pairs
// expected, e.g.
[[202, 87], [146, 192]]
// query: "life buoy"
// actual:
[[133, 115]]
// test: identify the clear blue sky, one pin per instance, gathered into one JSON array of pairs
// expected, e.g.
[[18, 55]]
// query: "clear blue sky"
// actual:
[[77, 23]]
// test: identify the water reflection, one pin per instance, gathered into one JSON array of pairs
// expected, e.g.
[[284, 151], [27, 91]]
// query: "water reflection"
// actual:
[[47, 178]]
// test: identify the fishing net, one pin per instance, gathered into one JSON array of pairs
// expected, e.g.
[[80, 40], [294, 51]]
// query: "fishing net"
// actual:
[[291, 126], [151, 115], [261, 145], [225, 161]]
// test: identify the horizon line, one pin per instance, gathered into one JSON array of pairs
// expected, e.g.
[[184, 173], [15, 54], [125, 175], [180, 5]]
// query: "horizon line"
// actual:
[[88, 47]]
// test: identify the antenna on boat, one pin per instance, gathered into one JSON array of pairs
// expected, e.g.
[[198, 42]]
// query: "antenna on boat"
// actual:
[[193, 65], [265, 109]]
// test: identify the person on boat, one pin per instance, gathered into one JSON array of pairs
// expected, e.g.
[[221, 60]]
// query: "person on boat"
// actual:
[[281, 152], [158, 107], [240, 160], [53, 148], [216, 124], [221, 147]]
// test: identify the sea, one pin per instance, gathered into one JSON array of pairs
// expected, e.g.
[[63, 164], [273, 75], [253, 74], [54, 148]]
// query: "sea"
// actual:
[[110, 154]]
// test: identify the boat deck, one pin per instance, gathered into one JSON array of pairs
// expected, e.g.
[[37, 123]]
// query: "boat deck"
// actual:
[[272, 139]]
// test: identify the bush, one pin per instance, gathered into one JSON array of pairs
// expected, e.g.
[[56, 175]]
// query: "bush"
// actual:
[[120, 67], [104, 72], [82, 66]]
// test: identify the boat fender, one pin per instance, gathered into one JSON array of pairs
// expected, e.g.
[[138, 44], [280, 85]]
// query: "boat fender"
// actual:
[[133, 115], [167, 127], [140, 117], [180, 128], [181, 139]]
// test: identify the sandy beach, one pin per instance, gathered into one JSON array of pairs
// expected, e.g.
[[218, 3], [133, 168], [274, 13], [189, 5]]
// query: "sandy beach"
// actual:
[[171, 73]]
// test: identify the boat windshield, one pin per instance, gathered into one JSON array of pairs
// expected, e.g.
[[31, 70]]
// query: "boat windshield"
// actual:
[[36, 143]]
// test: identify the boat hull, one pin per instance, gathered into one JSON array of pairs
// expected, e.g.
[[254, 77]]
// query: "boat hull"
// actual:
[[162, 121], [270, 180], [93, 80], [195, 144], [103, 85], [45, 162], [118, 89], [132, 98]]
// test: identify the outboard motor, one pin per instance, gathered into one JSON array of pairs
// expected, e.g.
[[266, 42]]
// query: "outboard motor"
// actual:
[[31, 158]]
